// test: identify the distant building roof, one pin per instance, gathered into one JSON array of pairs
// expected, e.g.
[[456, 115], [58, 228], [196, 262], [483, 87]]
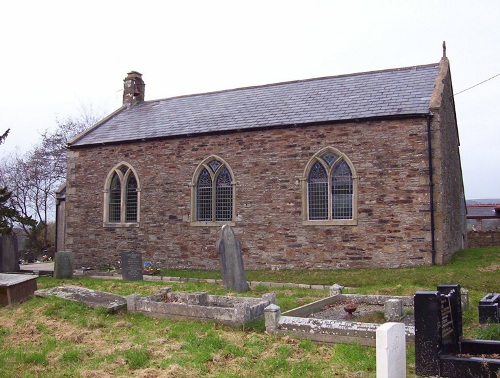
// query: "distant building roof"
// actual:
[[483, 211], [395, 92]]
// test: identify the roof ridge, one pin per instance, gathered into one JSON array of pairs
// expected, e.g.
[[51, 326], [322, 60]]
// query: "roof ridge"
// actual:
[[295, 82]]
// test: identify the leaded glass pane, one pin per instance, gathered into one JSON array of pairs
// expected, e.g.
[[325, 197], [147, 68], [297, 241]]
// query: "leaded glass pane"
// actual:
[[131, 199], [342, 192], [318, 192], [204, 197], [115, 192], [329, 158], [214, 164], [224, 196]]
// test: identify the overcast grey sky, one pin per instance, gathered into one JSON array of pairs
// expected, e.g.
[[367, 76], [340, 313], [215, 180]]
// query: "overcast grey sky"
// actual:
[[58, 56]]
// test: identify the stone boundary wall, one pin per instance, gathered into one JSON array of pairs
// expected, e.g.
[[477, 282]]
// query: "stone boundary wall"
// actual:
[[476, 239]]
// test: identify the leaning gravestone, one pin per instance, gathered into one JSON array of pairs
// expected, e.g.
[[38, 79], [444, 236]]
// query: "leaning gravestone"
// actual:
[[132, 266], [231, 261], [63, 264]]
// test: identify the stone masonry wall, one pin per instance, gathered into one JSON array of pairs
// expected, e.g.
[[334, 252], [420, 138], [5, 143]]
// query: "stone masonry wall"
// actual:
[[476, 239], [449, 200], [390, 159]]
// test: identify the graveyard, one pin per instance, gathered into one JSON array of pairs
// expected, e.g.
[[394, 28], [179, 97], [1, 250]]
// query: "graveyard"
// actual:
[[50, 336]]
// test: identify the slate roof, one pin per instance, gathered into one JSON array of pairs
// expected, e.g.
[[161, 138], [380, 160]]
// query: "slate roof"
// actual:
[[483, 211], [394, 92]]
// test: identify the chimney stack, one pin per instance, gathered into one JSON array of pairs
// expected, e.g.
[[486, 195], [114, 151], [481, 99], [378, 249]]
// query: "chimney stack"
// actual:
[[133, 89]]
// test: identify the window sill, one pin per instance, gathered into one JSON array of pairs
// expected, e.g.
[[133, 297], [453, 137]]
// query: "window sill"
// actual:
[[212, 224], [120, 225], [336, 222]]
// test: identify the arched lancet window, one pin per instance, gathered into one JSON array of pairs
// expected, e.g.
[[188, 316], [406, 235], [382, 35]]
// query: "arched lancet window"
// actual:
[[330, 195], [121, 196], [213, 192]]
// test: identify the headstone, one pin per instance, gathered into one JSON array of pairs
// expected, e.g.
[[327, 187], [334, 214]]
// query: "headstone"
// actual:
[[272, 315], [489, 308], [9, 257], [16, 288], [438, 326], [231, 261], [132, 266], [335, 289], [391, 350], [63, 265], [393, 310], [452, 320]]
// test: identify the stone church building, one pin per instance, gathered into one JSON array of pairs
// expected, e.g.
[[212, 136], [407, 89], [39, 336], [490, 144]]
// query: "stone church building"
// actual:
[[359, 170]]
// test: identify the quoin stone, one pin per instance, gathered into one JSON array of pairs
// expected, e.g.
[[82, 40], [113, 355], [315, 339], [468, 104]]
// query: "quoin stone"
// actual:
[[231, 261]]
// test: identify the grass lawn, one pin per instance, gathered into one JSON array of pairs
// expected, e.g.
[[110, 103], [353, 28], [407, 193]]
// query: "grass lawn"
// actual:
[[51, 337]]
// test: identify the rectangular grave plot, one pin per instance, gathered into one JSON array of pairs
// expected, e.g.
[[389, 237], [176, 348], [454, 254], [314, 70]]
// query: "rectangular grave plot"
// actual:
[[16, 288]]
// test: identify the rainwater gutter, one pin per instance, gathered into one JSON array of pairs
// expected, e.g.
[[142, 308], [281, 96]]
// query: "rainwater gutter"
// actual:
[[431, 189]]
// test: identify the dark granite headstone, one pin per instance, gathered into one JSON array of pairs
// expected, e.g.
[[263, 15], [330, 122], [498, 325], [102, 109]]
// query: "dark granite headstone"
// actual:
[[231, 261], [132, 266], [9, 257], [63, 264], [438, 327], [489, 308], [427, 332], [451, 315]]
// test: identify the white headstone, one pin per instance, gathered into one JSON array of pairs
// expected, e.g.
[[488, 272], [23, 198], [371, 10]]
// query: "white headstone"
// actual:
[[391, 351]]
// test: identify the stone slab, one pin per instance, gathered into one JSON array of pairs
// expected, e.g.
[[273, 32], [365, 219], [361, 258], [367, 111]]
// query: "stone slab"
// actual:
[[92, 298], [16, 288]]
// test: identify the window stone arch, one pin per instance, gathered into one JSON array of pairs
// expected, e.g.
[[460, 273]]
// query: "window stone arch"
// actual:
[[213, 193], [122, 197], [329, 189]]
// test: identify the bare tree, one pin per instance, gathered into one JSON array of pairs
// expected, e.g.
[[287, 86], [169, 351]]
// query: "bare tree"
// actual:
[[9, 214], [34, 177]]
